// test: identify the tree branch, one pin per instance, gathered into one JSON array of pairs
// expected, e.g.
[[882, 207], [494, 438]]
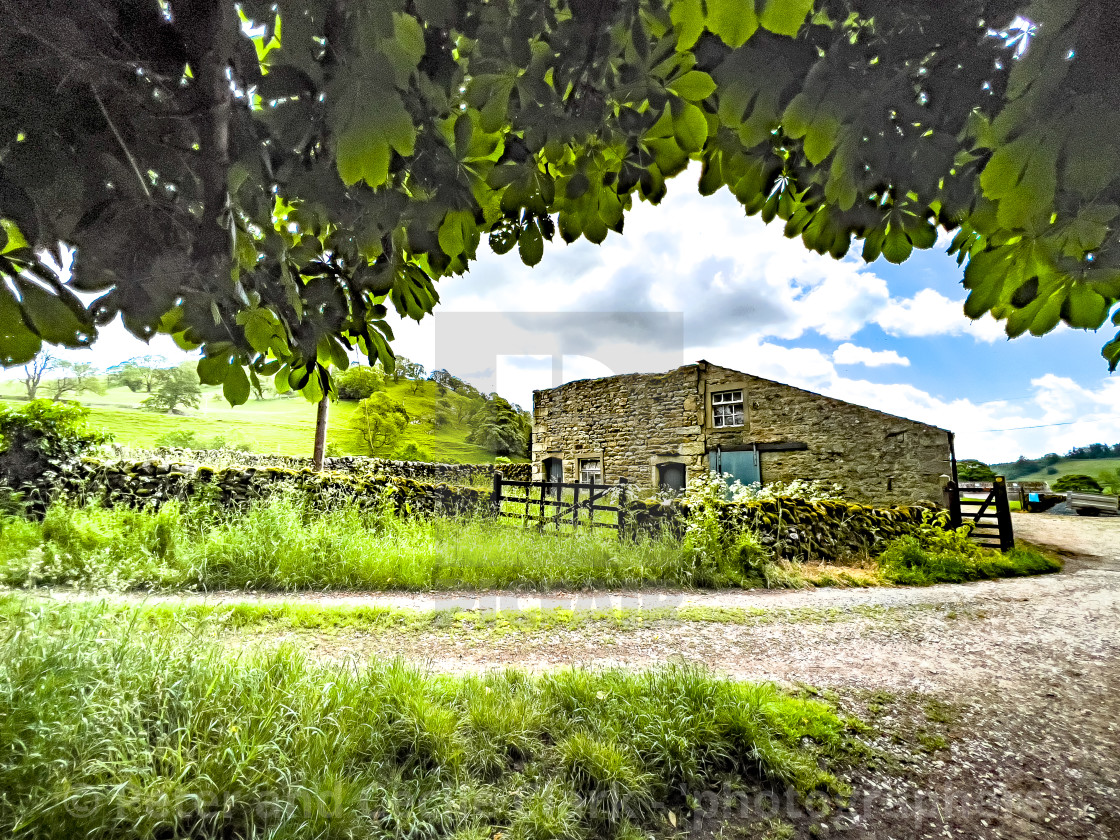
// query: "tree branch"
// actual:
[[124, 147]]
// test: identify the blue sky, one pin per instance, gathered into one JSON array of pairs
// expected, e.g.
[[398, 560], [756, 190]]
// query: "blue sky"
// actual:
[[890, 337]]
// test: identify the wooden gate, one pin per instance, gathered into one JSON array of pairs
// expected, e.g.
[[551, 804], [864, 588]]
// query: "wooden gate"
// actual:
[[990, 517], [560, 504]]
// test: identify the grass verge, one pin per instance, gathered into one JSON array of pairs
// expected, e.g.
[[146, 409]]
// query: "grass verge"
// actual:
[[281, 544], [108, 732], [208, 619]]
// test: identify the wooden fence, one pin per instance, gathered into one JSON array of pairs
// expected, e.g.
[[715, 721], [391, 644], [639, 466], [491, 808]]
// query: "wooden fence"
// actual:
[[561, 505]]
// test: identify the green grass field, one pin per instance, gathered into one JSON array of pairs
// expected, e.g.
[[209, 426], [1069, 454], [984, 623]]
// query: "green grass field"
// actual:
[[1093, 467], [278, 425]]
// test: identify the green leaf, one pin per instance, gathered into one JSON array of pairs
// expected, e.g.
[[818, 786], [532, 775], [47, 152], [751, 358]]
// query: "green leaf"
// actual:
[[15, 239], [1111, 352], [1084, 309], [734, 21], [262, 330], [530, 245], [54, 319], [18, 344], [213, 369], [785, 17], [897, 246], [690, 126], [376, 125], [688, 18], [413, 294], [458, 234], [693, 85], [820, 138], [236, 387]]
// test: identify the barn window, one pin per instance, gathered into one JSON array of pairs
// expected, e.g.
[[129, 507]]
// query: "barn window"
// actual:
[[553, 470], [670, 477], [590, 469], [727, 409]]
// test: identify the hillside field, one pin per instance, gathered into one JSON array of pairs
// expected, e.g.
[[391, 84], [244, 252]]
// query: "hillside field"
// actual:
[[1067, 466], [283, 425]]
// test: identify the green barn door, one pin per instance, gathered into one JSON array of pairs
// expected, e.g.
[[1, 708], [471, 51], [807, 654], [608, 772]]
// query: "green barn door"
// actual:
[[742, 465]]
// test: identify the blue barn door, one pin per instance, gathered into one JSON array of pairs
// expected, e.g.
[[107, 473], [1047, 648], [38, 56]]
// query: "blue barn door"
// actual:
[[742, 465]]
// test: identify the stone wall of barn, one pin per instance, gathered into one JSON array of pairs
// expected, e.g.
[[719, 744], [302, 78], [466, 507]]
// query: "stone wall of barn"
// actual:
[[635, 422]]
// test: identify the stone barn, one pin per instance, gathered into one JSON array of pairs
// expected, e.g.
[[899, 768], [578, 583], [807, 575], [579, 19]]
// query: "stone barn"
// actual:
[[660, 430]]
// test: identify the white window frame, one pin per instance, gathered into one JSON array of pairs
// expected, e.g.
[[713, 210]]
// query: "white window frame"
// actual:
[[598, 473], [728, 400]]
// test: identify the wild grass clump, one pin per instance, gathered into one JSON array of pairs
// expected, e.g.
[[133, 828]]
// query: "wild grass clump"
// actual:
[[934, 555], [108, 732], [282, 543]]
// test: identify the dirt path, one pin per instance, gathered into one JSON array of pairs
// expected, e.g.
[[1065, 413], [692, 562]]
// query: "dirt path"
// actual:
[[1029, 671]]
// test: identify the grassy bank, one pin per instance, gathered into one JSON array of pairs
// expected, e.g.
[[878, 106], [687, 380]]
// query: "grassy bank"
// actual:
[[281, 545], [278, 425], [112, 733]]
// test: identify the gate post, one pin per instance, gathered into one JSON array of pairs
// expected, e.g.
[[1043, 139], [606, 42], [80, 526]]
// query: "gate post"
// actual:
[[952, 501], [622, 508], [1003, 514], [496, 494]]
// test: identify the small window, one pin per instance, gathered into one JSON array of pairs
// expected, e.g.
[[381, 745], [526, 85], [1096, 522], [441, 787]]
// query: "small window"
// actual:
[[553, 470], [727, 409], [590, 470], [670, 477]]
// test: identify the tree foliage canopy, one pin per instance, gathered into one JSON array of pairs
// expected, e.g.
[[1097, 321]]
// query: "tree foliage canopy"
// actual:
[[260, 179]]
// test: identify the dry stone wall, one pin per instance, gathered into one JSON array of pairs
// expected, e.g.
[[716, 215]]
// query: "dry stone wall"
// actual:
[[351, 464], [638, 421], [155, 482]]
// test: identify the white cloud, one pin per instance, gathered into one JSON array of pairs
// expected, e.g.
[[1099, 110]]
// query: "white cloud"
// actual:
[[931, 313], [851, 354]]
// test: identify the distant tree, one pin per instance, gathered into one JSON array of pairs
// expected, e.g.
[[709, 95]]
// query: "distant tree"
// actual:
[[405, 368], [1094, 451], [973, 470], [380, 420], [179, 387], [33, 373], [500, 427], [359, 382], [142, 373], [1109, 480], [74, 378], [412, 452], [1076, 483]]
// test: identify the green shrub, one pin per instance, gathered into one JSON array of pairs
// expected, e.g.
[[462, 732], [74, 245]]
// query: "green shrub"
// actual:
[[1077, 483], [39, 442], [717, 553], [934, 555], [412, 452]]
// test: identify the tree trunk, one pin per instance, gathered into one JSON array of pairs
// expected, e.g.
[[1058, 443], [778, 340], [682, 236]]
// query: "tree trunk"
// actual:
[[321, 433]]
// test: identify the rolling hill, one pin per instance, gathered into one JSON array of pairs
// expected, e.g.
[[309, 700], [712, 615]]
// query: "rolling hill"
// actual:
[[1065, 466], [279, 424]]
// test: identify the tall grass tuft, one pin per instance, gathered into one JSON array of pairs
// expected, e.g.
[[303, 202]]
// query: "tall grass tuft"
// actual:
[[933, 555], [106, 732]]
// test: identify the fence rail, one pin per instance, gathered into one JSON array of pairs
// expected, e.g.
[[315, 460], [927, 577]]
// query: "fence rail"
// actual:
[[561, 505]]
